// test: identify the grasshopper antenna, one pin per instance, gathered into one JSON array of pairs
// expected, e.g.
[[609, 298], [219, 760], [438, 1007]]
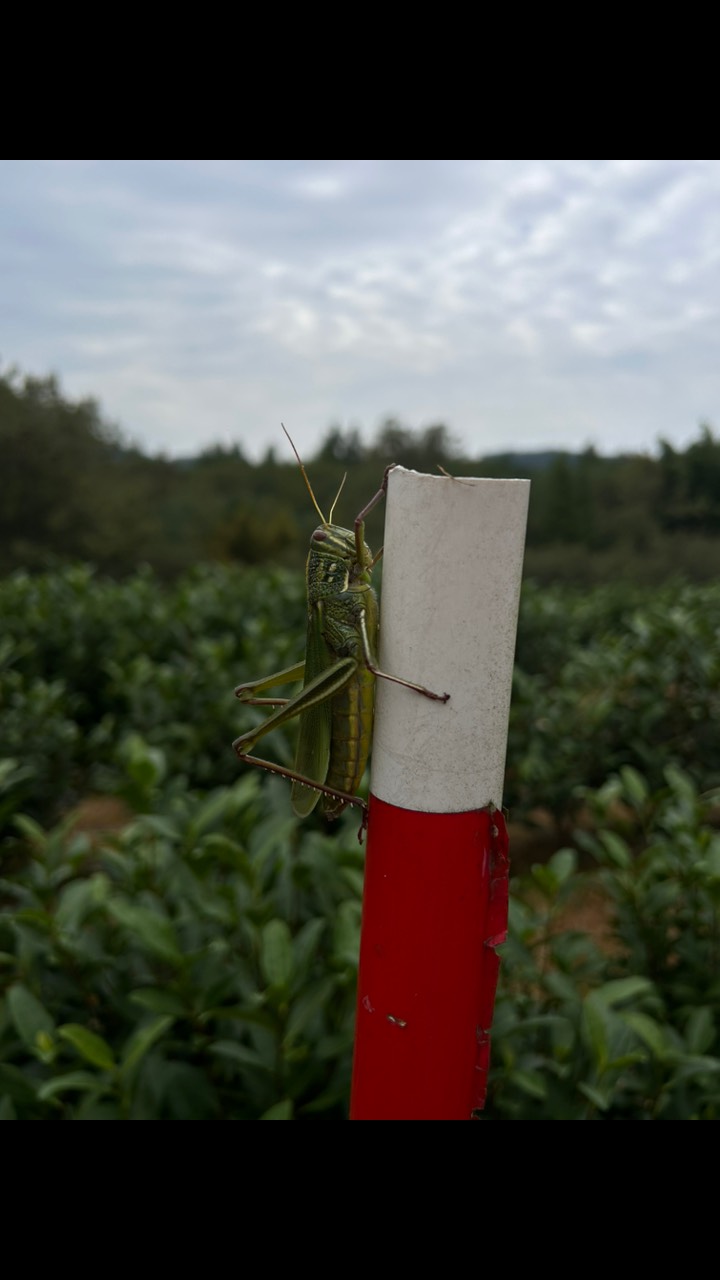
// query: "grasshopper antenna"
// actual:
[[337, 495], [307, 482]]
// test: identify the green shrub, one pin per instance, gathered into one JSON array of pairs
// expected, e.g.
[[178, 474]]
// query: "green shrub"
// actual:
[[629, 1032], [604, 679], [609, 680], [85, 662], [202, 964]]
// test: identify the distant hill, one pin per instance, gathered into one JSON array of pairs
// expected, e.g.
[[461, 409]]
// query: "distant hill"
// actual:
[[529, 462], [74, 488]]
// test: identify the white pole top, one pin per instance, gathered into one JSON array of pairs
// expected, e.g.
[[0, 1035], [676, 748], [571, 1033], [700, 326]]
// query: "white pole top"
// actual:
[[452, 567]]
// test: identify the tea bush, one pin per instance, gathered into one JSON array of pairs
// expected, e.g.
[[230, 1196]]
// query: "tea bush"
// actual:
[[202, 964], [199, 965], [630, 1031], [604, 679]]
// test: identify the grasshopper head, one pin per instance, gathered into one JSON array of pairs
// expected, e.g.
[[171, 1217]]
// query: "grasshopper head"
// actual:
[[337, 543]]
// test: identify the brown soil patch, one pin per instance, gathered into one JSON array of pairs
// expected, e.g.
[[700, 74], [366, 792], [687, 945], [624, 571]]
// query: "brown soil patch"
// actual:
[[101, 815], [590, 911], [531, 842]]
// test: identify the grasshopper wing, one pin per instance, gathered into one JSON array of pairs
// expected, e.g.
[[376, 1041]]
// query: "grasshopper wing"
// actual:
[[313, 750]]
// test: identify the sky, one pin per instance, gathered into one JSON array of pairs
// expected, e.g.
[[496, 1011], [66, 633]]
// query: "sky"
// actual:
[[525, 304]]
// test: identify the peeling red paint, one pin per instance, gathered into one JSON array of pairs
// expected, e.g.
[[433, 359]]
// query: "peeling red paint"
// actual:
[[496, 933]]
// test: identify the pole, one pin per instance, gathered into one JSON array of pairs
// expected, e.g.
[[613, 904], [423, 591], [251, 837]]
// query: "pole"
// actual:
[[435, 897]]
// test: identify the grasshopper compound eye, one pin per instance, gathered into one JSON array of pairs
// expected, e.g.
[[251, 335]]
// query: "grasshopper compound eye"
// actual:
[[319, 535]]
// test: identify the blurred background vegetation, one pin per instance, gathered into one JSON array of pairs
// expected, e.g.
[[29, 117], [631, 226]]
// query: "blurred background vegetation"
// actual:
[[175, 945], [74, 488]]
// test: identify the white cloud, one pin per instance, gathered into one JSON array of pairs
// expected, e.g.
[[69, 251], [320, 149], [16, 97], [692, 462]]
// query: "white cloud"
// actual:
[[321, 186], [524, 301]]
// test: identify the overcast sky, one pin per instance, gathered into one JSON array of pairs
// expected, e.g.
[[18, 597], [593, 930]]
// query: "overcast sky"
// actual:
[[524, 303]]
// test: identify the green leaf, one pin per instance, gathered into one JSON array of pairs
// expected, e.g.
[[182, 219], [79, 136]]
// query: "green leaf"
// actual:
[[146, 765], [30, 1018], [77, 899], [159, 824], [531, 1082], [616, 849], [31, 829], [16, 1084], [276, 953], [594, 1030], [281, 1111], [250, 1014], [7, 1109], [647, 1030], [688, 1065], [154, 931], [681, 784], [613, 993], [544, 879], [210, 813], [7, 765], [700, 1030], [346, 933], [636, 788], [523, 1025], [596, 1096], [559, 985], [563, 864], [142, 1040], [158, 1001], [311, 999], [305, 944], [239, 1053], [96, 1107], [74, 1080], [90, 1046]]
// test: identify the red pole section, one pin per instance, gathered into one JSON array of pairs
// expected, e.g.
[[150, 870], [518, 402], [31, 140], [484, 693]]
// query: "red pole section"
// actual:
[[435, 896]]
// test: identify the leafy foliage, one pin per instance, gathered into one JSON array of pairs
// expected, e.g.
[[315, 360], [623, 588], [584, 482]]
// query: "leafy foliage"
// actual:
[[630, 1032], [200, 963], [607, 679], [610, 679], [86, 664]]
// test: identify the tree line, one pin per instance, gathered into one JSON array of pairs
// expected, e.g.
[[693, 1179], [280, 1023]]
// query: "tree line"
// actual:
[[74, 488]]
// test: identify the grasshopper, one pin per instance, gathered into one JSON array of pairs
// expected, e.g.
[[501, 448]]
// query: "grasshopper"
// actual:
[[336, 702]]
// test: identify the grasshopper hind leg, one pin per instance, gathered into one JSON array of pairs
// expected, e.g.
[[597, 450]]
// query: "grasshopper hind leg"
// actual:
[[271, 767]]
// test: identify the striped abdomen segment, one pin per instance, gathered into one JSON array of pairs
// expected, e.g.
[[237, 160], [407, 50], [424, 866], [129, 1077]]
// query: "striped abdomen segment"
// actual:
[[352, 717]]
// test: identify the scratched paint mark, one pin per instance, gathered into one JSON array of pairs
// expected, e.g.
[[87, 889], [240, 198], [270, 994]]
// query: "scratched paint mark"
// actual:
[[398, 1022]]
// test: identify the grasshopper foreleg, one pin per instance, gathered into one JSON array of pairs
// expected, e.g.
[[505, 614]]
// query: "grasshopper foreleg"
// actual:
[[246, 692], [361, 518], [383, 675]]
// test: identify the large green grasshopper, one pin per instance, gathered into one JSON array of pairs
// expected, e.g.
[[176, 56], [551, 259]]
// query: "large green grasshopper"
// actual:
[[336, 702]]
